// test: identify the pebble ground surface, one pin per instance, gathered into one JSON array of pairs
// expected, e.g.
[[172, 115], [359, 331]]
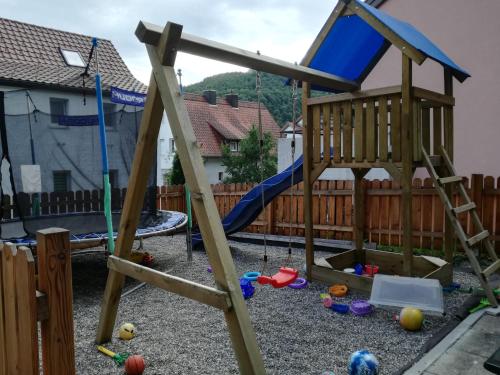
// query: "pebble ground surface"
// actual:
[[295, 333]]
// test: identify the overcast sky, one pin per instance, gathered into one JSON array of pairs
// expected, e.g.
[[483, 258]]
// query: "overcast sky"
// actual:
[[278, 28]]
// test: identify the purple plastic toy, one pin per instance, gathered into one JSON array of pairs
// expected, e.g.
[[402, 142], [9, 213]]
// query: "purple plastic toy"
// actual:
[[298, 284], [361, 307]]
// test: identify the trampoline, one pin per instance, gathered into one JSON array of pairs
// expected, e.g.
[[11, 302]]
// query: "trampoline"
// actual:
[[88, 229], [32, 148]]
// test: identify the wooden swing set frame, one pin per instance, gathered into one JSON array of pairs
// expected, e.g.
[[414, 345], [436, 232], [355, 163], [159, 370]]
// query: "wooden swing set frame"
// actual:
[[164, 93], [358, 140]]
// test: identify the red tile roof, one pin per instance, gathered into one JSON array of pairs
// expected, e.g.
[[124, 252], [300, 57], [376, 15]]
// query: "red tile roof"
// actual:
[[31, 54], [213, 124]]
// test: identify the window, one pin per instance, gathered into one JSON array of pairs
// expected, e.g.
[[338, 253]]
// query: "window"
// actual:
[[72, 58], [172, 146], [58, 107], [221, 176], [234, 146], [109, 114], [62, 181], [113, 178]]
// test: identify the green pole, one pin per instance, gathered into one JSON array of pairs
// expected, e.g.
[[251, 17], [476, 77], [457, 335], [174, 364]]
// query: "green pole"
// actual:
[[189, 223]]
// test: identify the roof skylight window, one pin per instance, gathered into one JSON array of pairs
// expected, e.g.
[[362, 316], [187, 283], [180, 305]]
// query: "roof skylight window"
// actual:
[[72, 58]]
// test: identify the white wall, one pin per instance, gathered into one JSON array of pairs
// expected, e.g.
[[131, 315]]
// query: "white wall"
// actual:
[[165, 154], [468, 32], [285, 160], [213, 166]]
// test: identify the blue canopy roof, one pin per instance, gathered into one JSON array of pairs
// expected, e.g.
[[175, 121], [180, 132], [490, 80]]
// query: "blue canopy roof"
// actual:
[[353, 47]]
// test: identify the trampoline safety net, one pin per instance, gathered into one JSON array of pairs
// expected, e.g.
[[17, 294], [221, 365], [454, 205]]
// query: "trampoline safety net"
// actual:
[[51, 166]]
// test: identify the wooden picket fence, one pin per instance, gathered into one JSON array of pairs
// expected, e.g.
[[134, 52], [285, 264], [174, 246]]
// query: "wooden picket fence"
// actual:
[[23, 304], [333, 209]]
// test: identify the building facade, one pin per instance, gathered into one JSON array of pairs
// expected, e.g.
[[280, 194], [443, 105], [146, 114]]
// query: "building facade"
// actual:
[[468, 31], [50, 107], [217, 122]]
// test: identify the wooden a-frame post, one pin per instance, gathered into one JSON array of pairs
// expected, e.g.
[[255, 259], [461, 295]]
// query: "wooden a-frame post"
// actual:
[[164, 92]]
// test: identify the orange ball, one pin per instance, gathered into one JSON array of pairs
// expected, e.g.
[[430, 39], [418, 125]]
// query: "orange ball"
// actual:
[[134, 365]]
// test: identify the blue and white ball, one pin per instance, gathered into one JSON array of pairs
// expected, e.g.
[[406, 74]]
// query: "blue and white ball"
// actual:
[[363, 362]]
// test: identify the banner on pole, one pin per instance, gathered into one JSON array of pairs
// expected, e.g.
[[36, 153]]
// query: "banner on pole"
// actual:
[[127, 97]]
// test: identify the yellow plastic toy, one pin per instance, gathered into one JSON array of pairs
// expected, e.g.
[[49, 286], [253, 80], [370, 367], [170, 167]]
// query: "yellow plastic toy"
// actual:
[[411, 318], [127, 331]]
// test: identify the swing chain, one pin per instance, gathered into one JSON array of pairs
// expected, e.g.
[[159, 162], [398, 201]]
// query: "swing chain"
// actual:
[[292, 182], [258, 89]]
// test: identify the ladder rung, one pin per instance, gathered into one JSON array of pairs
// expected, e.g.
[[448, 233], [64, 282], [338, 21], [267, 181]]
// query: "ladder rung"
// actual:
[[464, 208], [478, 237], [492, 268], [447, 180]]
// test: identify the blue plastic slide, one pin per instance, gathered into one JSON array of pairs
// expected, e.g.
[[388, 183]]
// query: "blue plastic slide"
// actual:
[[250, 205]]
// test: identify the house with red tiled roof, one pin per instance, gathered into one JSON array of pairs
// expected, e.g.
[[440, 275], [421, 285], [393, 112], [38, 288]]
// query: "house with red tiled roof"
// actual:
[[41, 80], [218, 121]]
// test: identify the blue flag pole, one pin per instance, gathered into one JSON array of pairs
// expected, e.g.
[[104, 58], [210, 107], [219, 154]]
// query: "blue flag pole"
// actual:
[[104, 153]]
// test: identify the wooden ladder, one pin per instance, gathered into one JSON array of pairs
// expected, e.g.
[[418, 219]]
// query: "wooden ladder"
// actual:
[[467, 242]]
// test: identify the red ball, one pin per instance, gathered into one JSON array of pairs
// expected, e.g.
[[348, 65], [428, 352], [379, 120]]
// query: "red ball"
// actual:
[[134, 365]]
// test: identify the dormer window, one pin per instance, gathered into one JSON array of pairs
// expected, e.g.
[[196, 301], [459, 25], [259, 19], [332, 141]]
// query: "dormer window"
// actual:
[[234, 146], [72, 58]]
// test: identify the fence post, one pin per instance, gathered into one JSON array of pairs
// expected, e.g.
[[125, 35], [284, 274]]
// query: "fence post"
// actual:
[[55, 280], [477, 187], [477, 191]]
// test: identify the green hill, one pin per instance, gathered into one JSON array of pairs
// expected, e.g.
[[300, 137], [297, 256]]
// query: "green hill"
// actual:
[[276, 96]]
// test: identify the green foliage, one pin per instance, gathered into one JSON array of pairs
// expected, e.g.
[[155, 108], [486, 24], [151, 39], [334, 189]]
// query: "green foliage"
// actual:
[[246, 166], [176, 175], [276, 96]]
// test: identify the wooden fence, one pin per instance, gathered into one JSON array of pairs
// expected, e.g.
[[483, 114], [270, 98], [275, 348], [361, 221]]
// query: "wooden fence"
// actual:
[[23, 304], [333, 209]]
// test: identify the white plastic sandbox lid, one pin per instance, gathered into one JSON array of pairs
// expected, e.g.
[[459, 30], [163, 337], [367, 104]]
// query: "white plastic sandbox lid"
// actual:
[[400, 291]]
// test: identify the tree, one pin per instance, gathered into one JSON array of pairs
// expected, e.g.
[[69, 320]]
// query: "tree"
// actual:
[[176, 175], [246, 166]]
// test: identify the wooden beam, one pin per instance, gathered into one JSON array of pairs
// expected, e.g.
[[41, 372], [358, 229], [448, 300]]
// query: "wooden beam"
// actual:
[[359, 212], [11, 338], [307, 117], [55, 280], [406, 48], [168, 43], [26, 311], [394, 171], [150, 34], [449, 236], [433, 97], [238, 320], [198, 292], [365, 94], [407, 159]]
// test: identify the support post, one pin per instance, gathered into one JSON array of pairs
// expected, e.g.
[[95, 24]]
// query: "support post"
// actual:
[[54, 279], [359, 213], [145, 152], [449, 238], [307, 155], [407, 159]]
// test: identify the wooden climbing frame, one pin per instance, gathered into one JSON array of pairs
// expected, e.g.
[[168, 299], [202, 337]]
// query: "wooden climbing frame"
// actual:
[[164, 93]]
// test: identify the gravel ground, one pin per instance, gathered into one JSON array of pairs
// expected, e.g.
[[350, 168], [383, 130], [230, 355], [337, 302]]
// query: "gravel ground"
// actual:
[[296, 334]]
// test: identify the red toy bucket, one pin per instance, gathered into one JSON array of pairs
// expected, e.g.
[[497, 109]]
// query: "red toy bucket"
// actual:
[[371, 269]]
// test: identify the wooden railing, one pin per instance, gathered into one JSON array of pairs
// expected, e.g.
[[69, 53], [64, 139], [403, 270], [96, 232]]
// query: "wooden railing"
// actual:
[[365, 127], [23, 304]]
